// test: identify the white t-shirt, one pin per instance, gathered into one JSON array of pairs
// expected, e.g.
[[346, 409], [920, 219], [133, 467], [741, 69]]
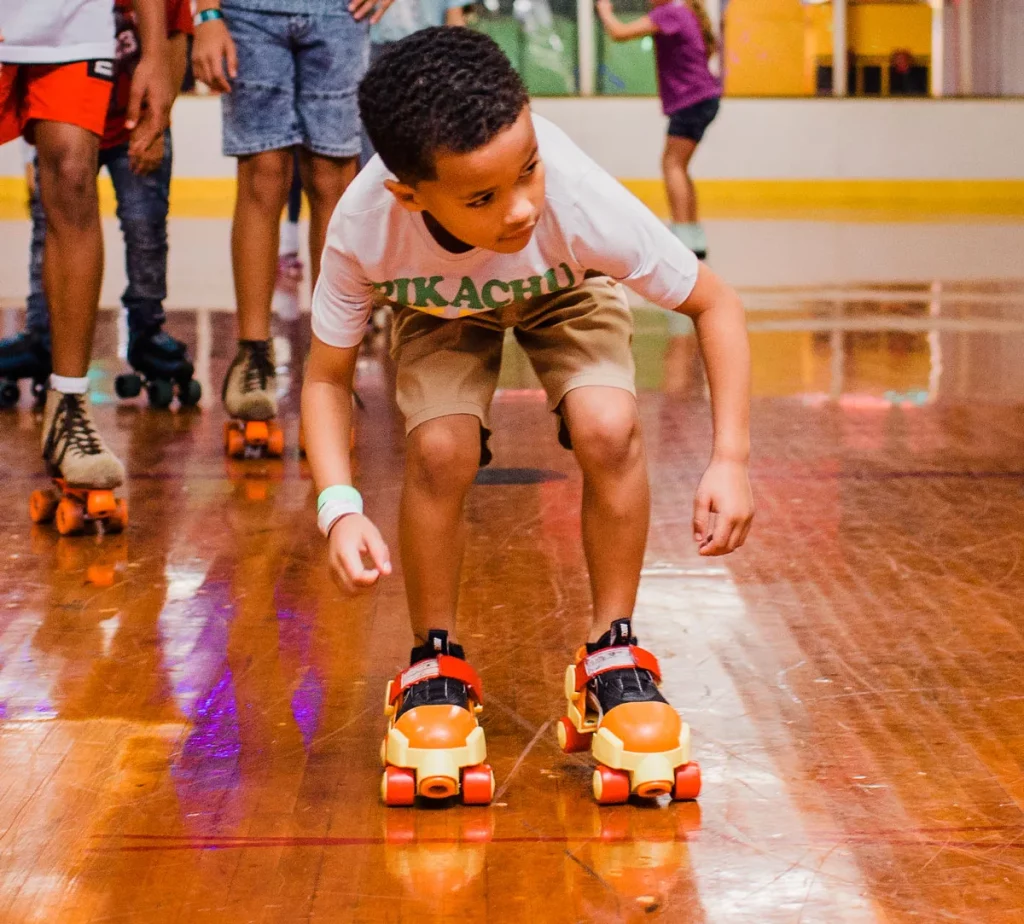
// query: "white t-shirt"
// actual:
[[56, 31], [590, 222]]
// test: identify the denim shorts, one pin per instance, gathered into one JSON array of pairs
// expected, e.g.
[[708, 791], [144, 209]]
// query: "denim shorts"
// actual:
[[694, 120], [296, 84]]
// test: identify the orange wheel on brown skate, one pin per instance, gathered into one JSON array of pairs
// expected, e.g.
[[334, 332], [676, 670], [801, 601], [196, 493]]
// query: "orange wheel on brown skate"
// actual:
[[42, 505], [687, 782], [117, 521], [398, 786], [234, 443], [611, 787], [275, 441], [100, 504], [478, 785], [70, 517]]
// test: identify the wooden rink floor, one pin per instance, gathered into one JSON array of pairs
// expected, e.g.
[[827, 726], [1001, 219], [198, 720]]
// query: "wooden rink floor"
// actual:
[[190, 714]]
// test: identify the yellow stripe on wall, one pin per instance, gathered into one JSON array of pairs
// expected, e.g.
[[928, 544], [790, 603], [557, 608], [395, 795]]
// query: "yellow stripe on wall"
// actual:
[[840, 200]]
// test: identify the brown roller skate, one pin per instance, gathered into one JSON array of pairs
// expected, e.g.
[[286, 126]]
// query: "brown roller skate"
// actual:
[[84, 471], [434, 746], [249, 395], [616, 711]]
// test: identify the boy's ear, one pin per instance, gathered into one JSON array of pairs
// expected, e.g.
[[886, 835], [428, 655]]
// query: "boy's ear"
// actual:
[[405, 195]]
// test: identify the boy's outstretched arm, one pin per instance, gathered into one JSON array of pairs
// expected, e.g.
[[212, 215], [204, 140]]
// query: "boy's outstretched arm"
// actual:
[[619, 31], [358, 555], [723, 508]]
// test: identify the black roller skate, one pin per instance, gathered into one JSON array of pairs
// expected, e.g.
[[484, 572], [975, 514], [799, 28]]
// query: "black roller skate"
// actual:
[[162, 365], [24, 356]]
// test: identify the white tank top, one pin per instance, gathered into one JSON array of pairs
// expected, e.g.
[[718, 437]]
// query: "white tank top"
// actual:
[[56, 31]]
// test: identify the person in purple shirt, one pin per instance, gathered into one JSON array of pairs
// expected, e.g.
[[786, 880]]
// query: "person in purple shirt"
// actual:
[[684, 40]]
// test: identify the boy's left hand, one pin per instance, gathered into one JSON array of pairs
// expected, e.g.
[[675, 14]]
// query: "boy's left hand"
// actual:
[[146, 161], [723, 508]]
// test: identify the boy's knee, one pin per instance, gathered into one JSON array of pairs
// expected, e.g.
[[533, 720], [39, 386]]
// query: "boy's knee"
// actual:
[[444, 456], [67, 178], [264, 179], [606, 438]]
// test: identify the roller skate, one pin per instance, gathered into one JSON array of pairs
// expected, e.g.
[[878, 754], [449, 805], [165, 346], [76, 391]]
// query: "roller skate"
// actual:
[[162, 366], [24, 356], [434, 746], [616, 711], [249, 396], [84, 471]]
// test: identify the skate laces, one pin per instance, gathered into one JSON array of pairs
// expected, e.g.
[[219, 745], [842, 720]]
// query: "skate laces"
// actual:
[[259, 366], [73, 423], [627, 684]]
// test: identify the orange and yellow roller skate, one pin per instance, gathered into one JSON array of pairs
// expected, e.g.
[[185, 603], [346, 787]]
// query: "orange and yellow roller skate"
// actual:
[[250, 398], [616, 711], [434, 746], [76, 509]]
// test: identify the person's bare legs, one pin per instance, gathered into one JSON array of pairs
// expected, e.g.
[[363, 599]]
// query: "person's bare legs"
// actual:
[[605, 427], [263, 183], [682, 196], [442, 457], [324, 179], [73, 271], [73, 256]]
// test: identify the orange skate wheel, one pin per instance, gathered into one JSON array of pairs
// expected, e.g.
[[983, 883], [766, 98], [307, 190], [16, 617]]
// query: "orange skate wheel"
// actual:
[[611, 787], [570, 739], [398, 786], [687, 781], [275, 442], [42, 505], [234, 442], [101, 575], [478, 785], [70, 517], [257, 432], [100, 503], [118, 520]]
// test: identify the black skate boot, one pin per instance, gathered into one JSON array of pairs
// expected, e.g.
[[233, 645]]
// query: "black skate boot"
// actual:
[[162, 365], [24, 356]]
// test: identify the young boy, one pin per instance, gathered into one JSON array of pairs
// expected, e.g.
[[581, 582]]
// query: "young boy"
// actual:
[[480, 217], [142, 185], [55, 85]]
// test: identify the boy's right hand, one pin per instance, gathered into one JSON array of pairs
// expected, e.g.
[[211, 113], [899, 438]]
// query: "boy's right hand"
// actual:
[[352, 540], [214, 58]]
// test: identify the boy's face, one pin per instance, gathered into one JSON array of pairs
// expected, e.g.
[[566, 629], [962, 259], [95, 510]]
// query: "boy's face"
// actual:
[[491, 197]]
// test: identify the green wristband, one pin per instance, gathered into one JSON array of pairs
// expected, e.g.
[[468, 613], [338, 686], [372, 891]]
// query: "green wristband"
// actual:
[[205, 16], [339, 492]]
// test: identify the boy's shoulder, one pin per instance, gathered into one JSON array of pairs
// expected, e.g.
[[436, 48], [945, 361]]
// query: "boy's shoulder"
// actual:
[[566, 166], [367, 192]]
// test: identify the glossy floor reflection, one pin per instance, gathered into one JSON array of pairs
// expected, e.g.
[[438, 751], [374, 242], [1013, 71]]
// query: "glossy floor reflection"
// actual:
[[190, 715]]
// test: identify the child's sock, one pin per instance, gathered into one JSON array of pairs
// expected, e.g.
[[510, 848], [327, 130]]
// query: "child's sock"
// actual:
[[692, 235], [289, 238], [68, 385]]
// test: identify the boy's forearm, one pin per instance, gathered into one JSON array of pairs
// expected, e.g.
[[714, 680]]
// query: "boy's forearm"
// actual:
[[178, 55], [151, 16], [327, 424], [722, 335]]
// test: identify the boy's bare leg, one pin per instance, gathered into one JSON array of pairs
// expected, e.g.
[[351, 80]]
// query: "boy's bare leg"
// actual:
[[682, 196], [263, 183], [73, 258], [605, 428], [442, 457], [324, 179]]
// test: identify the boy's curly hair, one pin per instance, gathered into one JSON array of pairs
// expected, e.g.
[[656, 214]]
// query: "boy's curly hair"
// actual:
[[440, 88]]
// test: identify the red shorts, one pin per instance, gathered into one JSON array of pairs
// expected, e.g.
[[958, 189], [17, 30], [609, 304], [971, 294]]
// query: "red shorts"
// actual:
[[76, 94]]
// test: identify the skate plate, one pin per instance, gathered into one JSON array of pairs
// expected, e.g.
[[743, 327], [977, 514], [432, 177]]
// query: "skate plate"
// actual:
[[253, 439], [76, 509]]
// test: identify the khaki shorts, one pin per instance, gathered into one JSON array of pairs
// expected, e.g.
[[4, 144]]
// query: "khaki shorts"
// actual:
[[577, 337]]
